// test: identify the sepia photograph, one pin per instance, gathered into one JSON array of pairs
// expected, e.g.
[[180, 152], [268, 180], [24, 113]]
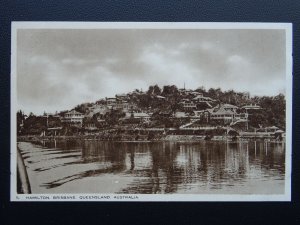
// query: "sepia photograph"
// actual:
[[151, 111]]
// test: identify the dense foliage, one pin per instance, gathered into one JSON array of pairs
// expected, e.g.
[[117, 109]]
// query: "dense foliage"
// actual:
[[163, 103]]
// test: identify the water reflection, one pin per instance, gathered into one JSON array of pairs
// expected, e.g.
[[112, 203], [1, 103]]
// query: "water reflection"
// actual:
[[169, 167]]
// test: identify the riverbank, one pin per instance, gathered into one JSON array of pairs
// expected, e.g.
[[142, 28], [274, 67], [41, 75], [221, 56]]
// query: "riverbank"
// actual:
[[143, 138]]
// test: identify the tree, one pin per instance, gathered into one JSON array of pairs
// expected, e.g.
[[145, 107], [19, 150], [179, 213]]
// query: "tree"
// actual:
[[54, 122], [214, 93], [170, 90], [201, 89], [150, 90], [154, 90], [20, 120], [157, 90], [112, 118], [35, 124], [272, 112], [81, 108], [144, 100]]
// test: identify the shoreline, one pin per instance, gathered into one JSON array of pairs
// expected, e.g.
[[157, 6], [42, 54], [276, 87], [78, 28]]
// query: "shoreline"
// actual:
[[173, 138]]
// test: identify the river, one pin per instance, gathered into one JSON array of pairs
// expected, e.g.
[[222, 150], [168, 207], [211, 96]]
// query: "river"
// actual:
[[206, 167]]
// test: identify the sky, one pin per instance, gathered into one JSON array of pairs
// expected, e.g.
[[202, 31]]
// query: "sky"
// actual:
[[58, 69]]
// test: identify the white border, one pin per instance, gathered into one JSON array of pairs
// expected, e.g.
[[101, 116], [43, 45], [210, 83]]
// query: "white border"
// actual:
[[150, 197]]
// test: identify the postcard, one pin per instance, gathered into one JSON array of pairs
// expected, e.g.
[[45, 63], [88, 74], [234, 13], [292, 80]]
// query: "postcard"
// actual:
[[140, 111]]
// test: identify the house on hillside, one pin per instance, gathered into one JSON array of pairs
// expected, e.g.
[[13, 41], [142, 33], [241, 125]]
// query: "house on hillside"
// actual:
[[203, 102], [111, 102], [73, 117], [180, 115], [251, 107], [229, 107], [246, 95], [201, 98], [196, 94], [183, 91], [101, 122], [271, 129], [221, 114], [90, 124], [101, 101], [124, 106], [203, 105], [188, 105], [226, 113], [121, 96], [140, 116]]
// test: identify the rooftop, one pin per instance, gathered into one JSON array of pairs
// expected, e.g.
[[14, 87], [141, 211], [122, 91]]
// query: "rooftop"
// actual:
[[73, 111], [229, 106]]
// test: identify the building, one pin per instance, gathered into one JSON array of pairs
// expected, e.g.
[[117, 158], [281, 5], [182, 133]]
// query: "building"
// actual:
[[89, 124], [229, 107], [111, 102], [188, 104], [246, 95], [141, 116], [122, 96], [124, 106], [251, 107], [226, 113], [101, 122], [221, 114], [196, 93], [201, 98], [180, 115], [183, 91], [73, 117], [101, 101]]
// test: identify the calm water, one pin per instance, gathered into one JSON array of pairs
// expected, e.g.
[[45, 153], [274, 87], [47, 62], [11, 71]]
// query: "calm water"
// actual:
[[158, 167]]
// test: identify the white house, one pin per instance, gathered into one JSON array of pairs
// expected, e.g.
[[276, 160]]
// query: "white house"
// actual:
[[144, 117], [227, 113], [201, 98], [73, 117], [229, 107], [188, 105], [251, 107], [111, 102]]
